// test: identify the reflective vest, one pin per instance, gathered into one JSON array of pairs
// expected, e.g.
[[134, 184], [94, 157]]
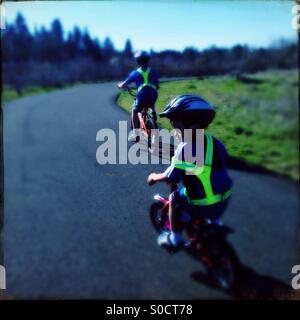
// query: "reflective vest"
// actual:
[[145, 75], [204, 175]]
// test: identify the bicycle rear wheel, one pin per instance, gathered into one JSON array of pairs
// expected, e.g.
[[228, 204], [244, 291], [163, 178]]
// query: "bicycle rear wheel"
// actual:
[[222, 266], [151, 134]]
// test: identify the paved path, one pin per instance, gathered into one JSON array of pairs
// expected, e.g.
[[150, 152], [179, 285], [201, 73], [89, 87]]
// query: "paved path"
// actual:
[[76, 229]]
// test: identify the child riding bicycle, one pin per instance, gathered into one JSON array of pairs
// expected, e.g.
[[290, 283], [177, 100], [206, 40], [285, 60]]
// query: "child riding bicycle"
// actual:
[[206, 189], [147, 84]]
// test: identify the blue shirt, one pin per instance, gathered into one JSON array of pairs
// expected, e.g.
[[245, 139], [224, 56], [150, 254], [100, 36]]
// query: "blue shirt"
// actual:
[[220, 180]]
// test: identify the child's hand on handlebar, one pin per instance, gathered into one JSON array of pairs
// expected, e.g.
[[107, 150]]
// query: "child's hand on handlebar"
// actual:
[[122, 85], [151, 179], [157, 177]]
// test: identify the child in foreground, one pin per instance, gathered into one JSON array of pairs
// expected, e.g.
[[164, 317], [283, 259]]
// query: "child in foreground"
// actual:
[[207, 187]]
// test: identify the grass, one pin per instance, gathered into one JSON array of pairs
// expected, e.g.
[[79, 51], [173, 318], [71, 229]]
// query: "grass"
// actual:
[[11, 94], [257, 121]]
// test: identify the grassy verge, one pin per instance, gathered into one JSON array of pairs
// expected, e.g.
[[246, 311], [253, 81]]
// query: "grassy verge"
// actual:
[[257, 120], [11, 94]]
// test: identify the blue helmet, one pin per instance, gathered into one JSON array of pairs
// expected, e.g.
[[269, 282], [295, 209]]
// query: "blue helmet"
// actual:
[[141, 57], [189, 109]]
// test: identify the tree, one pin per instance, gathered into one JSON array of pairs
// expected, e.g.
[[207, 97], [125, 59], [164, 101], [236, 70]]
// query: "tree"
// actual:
[[57, 31], [91, 46], [22, 40], [108, 48], [128, 51], [97, 50], [75, 45], [35, 58], [8, 43], [41, 45], [191, 53], [56, 42]]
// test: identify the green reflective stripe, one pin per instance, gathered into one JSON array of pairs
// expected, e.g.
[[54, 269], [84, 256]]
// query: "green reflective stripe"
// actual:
[[146, 85], [145, 75], [209, 201], [204, 177], [186, 166]]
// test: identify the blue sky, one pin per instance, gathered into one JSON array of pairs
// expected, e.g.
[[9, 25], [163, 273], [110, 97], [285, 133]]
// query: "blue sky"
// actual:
[[167, 24]]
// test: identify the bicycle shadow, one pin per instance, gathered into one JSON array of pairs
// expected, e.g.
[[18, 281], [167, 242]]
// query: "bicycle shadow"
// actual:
[[250, 284]]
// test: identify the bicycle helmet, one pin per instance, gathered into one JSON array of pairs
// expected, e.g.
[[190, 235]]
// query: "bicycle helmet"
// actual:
[[142, 57], [189, 109]]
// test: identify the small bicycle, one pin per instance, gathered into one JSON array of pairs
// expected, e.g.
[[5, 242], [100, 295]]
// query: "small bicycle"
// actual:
[[147, 123], [206, 242]]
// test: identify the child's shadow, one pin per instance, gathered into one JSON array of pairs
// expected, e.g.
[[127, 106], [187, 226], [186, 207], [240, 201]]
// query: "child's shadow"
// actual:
[[250, 285]]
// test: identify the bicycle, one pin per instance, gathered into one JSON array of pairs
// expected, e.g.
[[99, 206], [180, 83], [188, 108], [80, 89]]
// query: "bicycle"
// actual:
[[147, 123], [206, 242]]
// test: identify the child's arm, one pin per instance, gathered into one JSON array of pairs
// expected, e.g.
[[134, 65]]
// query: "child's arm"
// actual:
[[122, 85], [171, 175], [130, 79], [157, 177]]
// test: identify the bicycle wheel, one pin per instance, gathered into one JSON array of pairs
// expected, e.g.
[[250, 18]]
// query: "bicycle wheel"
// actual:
[[152, 136], [158, 217], [222, 264]]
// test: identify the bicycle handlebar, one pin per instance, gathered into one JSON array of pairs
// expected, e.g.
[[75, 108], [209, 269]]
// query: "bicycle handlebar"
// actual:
[[129, 90]]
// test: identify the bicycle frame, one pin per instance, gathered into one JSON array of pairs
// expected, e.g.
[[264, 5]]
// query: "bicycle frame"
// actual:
[[192, 226], [142, 118], [141, 115]]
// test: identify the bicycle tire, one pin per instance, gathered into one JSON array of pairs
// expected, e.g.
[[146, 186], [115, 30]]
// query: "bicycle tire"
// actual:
[[158, 219]]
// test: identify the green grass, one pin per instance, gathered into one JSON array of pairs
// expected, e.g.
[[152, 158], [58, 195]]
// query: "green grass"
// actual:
[[258, 122], [11, 94]]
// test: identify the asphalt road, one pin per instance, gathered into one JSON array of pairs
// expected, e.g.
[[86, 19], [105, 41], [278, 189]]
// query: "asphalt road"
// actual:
[[77, 229]]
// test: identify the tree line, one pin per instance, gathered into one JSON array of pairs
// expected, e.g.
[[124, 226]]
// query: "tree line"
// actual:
[[48, 57]]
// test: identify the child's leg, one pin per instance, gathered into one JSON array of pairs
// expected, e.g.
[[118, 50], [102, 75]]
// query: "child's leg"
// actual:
[[154, 116], [174, 212], [135, 123], [173, 238], [153, 109]]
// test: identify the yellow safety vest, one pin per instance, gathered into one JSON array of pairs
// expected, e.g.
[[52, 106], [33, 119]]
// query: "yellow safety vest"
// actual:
[[145, 75], [204, 175]]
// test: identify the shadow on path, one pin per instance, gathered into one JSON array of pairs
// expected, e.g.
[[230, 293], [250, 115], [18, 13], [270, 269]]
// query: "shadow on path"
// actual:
[[251, 285], [240, 165]]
